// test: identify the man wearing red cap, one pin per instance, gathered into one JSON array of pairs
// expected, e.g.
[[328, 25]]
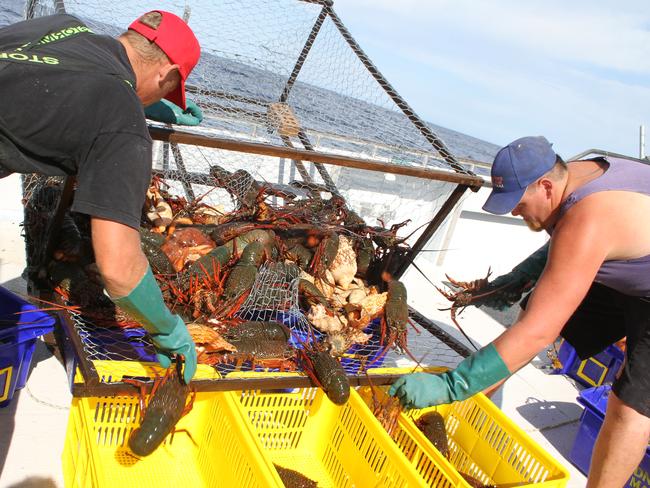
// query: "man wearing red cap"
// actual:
[[72, 104], [594, 290]]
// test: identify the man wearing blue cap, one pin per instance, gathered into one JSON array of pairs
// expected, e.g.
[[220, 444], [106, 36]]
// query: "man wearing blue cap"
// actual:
[[594, 290]]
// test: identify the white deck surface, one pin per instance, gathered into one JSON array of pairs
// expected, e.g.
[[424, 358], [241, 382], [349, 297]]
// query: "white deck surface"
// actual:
[[32, 427]]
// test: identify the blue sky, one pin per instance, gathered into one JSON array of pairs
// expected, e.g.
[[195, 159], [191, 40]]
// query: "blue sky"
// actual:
[[576, 72]]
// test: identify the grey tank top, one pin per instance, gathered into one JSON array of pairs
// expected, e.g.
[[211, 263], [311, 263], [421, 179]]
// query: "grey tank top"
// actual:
[[629, 276]]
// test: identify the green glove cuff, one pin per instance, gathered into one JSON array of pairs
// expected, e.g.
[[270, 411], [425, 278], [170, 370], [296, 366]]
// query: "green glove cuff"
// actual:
[[168, 332], [533, 265], [479, 371], [146, 305]]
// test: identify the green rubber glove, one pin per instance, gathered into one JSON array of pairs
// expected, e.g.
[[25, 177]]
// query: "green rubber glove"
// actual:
[[166, 111], [168, 332], [509, 288], [474, 374]]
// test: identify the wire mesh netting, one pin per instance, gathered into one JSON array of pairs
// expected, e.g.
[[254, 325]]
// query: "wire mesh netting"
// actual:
[[279, 73], [274, 295]]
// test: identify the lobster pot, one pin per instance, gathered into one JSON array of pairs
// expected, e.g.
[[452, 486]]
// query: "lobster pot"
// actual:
[[263, 78], [300, 133], [483, 443], [41, 198], [212, 447]]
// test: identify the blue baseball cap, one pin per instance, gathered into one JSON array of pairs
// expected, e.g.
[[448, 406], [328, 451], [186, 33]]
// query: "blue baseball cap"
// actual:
[[516, 166]]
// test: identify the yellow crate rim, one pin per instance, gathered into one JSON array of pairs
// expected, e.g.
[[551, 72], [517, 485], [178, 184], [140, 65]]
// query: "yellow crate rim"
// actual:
[[8, 372], [583, 365], [113, 371]]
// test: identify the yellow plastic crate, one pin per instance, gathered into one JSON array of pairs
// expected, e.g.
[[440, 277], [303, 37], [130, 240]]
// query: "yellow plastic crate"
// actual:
[[220, 449], [483, 443], [336, 446]]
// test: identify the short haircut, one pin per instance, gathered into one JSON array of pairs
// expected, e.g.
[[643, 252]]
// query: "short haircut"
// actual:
[[558, 170], [146, 49]]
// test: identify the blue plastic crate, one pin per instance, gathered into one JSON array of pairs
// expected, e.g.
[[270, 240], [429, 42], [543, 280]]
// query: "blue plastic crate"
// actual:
[[21, 323], [595, 402], [371, 353], [594, 371]]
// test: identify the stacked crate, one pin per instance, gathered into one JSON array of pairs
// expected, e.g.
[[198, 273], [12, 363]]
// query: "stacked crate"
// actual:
[[258, 438]]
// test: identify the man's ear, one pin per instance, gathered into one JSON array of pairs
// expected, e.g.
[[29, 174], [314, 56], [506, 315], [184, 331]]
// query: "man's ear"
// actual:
[[547, 186], [169, 76]]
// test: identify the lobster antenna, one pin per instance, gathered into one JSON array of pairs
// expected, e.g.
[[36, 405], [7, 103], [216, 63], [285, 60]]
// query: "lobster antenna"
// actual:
[[457, 325]]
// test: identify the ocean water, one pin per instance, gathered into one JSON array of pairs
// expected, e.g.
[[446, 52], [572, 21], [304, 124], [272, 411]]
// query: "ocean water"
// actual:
[[11, 11], [318, 109]]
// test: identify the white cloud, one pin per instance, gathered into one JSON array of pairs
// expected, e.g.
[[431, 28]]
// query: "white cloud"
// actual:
[[577, 72]]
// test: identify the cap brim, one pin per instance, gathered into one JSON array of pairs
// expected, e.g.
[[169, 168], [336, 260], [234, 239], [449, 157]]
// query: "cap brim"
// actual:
[[501, 203], [178, 95]]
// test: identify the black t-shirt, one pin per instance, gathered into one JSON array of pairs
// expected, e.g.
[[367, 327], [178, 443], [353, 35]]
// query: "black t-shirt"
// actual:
[[68, 106]]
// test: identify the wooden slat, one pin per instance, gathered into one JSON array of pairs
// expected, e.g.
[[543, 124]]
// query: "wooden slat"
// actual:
[[170, 135]]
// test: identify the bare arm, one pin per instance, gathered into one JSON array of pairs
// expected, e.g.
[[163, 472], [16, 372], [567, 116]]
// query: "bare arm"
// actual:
[[580, 244], [118, 255], [590, 233]]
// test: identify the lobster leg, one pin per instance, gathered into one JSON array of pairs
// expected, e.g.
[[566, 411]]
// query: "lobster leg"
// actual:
[[141, 393], [310, 370], [189, 434], [189, 405]]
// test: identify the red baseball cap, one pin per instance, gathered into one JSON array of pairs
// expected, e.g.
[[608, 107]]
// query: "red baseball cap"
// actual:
[[178, 42]]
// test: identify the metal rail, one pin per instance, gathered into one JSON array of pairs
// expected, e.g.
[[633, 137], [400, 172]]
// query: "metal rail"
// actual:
[[303, 54], [297, 162], [181, 137], [54, 225], [329, 183], [440, 334], [178, 157], [601, 152], [327, 3], [72, 347], [59, 8], [226, 384]]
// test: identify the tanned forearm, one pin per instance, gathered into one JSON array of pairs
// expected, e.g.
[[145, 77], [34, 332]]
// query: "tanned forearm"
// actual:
[[576, 253], [118, 255]]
